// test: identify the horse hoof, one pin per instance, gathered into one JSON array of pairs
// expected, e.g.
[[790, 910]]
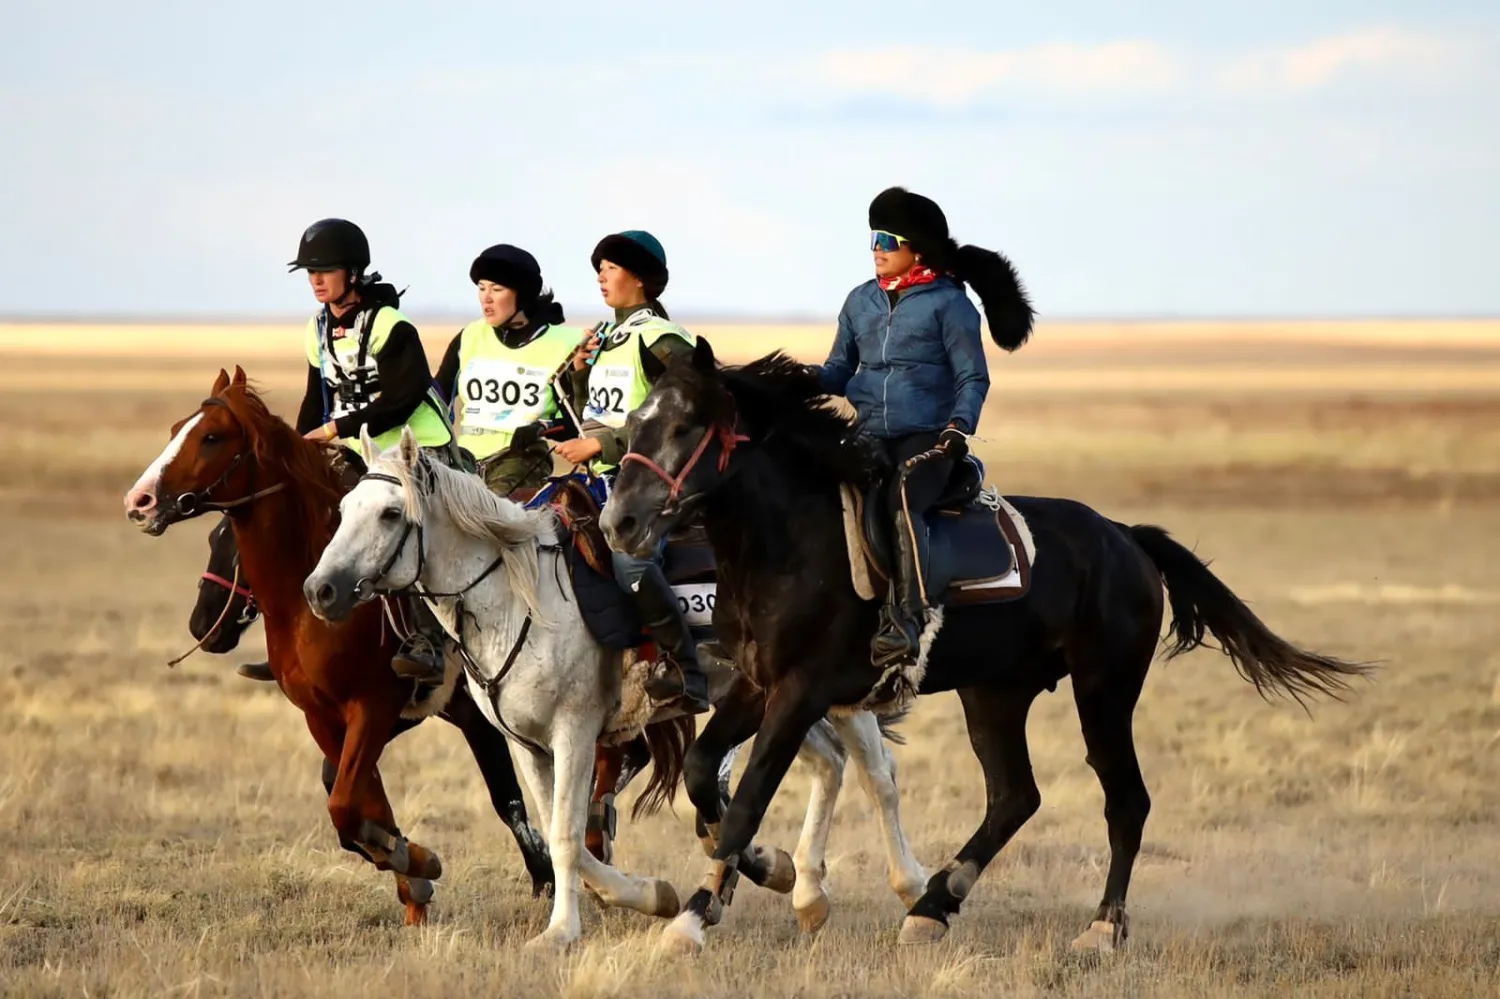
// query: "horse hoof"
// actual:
[[917, 930], [811, 917], [548, 942], [678, 941], [781, 876], [1101, 937], [664, 901], [422, 863], [414, 893]]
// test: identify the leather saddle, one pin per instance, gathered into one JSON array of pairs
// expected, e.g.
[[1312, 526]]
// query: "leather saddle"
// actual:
[[975, 548], [608, 611]]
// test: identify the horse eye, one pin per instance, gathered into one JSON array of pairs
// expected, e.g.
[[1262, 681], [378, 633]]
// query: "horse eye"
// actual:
[[213, 439], [390, 514]]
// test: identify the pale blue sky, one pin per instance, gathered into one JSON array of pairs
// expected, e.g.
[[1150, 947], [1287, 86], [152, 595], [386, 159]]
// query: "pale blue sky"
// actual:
[[1232, 158]]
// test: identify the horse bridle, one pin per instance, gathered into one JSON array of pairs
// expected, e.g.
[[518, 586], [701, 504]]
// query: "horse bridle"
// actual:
[[196, 503], [728, 435], [366, 587], [252, 610]]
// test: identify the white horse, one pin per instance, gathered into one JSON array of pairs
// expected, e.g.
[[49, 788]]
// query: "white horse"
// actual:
[[494, 577]]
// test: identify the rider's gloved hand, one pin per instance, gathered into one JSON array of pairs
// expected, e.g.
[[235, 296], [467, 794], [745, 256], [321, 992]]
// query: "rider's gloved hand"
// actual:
[[953, 443], [527, 435]]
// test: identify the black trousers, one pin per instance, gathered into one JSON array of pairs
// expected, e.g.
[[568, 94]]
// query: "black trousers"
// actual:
[[925, 482]]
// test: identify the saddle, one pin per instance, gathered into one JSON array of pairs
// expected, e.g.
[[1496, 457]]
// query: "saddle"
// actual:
[[979, 550], [609, 613]]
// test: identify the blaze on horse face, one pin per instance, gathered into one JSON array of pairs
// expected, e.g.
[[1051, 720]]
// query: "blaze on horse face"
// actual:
[[666, 430], [206, 452]]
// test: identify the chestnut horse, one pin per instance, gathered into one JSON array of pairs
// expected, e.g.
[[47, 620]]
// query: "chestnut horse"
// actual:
[[232, 454]]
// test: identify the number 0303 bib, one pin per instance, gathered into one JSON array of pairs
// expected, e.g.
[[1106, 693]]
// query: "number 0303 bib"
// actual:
[[501, 395]]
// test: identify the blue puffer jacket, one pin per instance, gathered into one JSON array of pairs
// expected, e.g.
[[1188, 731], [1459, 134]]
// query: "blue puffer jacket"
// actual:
[[916, 367]]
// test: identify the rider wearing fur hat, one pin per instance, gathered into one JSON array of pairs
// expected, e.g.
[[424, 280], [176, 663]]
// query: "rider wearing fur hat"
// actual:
[[498, 371], [909, 357], [607, 381]]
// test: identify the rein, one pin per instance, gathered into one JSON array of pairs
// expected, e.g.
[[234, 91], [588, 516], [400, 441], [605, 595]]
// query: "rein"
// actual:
[[234, 587], [367, 587], [729, 438]]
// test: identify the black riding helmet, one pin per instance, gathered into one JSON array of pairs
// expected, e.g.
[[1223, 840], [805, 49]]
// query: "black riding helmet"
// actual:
[[332, 245]]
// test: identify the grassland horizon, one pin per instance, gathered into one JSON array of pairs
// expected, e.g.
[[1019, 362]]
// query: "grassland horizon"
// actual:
[[167, 835]]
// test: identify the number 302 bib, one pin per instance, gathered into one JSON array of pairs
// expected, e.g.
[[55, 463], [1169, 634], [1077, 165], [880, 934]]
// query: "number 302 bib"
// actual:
[[609, 393], [502, 395]]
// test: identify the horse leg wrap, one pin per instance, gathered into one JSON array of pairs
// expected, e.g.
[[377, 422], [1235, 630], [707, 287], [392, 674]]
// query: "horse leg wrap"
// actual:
[[719, 883], [961, 878], [418, 891], [377, 842], [603, 823], [708, 837]]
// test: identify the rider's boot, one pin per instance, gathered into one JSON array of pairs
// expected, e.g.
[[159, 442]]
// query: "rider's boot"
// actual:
[[255, 671], [683, 680], [420, 657], [897, 642]]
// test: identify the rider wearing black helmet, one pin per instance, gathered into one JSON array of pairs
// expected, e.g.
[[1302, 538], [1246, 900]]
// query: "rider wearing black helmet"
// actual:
[[365, 369]]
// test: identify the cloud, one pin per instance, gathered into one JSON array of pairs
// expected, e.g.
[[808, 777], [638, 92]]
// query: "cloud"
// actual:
[[1377, 50], [949, 78]]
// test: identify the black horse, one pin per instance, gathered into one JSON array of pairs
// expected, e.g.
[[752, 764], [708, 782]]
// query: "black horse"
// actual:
[[757, 452], [225, 609]]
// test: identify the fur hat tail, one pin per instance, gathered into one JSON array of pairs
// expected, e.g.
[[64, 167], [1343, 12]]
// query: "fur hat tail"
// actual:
[[998, 286]]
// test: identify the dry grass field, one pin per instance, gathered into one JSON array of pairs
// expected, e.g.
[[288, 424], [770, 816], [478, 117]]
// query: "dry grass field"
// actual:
[[165, 831]]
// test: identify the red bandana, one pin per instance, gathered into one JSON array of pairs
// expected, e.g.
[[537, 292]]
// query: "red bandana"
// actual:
[[919, 274]]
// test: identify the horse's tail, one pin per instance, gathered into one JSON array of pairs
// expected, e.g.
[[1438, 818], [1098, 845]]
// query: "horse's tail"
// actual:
[[1201, 603], [888, 723], [669, 742]]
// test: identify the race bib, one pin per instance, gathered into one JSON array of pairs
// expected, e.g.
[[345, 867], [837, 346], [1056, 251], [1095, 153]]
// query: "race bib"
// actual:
[[609, 392], [502, 395], [696, 601]]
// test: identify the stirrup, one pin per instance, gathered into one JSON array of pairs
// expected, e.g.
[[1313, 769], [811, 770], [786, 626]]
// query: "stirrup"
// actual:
[[669, 682], [418, 659]]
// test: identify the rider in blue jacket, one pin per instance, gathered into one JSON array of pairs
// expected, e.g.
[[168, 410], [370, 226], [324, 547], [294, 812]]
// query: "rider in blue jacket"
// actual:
[[909, 357]]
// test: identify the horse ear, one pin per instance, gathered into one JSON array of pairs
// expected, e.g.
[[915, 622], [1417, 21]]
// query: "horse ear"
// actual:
[[651, 365], [367, 447], [239, 377], [410, 449], [703, 357], [220, 383]]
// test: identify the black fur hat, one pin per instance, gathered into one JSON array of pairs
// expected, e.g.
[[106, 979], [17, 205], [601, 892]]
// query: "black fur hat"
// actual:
[[638, 252], [922, 223]]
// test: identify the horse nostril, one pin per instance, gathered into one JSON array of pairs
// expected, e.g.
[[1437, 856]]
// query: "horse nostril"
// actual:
[[325, 595], [143, 500], [625, 527]]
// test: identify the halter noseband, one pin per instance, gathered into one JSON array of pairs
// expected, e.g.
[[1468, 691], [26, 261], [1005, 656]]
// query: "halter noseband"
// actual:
[[729, 438]]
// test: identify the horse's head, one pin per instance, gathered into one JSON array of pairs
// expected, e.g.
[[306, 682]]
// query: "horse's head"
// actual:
[[681, 439], [207, 464], [225, 607], [378, 544]]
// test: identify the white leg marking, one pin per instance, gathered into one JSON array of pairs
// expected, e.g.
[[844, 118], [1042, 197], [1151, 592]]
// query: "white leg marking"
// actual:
[[877, 775]]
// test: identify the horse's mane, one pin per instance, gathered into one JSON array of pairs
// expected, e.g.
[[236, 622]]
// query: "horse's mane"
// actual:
[[779, 395], [477, 513], [282, 455]]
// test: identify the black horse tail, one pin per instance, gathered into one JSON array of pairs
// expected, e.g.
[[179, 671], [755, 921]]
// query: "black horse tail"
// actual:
[[888, 723], [669, 742], [1202, 604]]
